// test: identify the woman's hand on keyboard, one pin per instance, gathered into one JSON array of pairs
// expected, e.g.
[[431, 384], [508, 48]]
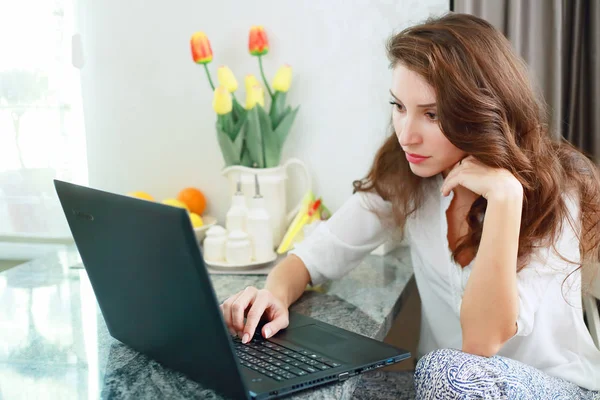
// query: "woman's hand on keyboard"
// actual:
[[254, 304]]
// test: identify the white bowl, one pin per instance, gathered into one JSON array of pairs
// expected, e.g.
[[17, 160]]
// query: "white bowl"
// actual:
[[201, 231]]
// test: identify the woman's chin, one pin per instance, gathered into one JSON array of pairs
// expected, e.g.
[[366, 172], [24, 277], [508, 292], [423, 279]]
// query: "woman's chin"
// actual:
[[423, 171]]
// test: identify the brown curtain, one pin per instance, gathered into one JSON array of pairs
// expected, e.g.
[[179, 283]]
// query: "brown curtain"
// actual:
[[581, 79], [560, 41]]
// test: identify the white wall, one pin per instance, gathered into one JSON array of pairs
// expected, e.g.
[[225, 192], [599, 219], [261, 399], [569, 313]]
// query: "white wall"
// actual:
[[149, 120]]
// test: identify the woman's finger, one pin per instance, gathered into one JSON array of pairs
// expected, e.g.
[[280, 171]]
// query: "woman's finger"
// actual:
[[239, 306], [229, 328], [281, 319], [226, 309], [451, 182], [261, 302]]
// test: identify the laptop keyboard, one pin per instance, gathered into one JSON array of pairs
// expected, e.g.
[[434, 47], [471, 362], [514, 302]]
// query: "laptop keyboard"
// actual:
[[278, 362]]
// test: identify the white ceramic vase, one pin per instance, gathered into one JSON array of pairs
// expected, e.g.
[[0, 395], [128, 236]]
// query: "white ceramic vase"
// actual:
[[273, 183]]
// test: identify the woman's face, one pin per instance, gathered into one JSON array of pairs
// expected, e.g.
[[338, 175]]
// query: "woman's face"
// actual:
[[427, 150]]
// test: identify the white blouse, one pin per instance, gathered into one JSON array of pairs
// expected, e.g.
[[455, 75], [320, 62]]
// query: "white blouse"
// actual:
[[551, 334]]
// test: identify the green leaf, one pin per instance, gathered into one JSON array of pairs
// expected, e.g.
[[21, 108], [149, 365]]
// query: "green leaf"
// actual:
[[271, 143], [277, 108], [283, 129], [254, 137], [238, 111], [281, 117], [231, 150], [238, 126], [246, 160], [225, 123]]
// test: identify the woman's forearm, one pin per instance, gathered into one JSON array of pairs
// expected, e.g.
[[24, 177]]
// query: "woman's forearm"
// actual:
[[288, 280], [490, 303]]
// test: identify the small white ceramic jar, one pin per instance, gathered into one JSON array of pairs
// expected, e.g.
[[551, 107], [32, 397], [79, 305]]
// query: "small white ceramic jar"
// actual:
[[238, 249], [214, 244]]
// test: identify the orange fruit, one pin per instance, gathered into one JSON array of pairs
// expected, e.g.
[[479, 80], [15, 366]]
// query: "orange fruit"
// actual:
[[175, 203], [141, 195], [196, 220], [193, 199]]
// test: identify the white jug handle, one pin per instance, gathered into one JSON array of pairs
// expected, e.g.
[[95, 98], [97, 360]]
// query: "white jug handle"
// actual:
[[307, 182]]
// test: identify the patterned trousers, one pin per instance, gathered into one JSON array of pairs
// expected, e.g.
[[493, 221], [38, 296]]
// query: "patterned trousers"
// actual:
[[452, 374]]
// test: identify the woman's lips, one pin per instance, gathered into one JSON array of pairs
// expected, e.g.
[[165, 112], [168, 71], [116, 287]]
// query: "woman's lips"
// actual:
[[415, 158]]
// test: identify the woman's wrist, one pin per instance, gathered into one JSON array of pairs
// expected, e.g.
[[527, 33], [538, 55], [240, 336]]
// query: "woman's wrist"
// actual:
[[508, 192], [281, 296], [287, 280]]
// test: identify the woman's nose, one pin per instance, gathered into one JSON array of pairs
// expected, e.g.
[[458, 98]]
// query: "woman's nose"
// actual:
[[409, 133]]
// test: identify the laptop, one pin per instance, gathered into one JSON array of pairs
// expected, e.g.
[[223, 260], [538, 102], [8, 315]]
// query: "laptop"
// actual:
[[155, 294]]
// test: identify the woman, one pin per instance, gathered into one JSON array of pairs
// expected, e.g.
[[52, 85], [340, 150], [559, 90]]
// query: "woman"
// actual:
[[500, 218]]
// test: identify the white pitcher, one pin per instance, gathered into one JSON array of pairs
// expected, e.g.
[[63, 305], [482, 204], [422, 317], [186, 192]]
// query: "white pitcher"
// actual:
[[273, 188]]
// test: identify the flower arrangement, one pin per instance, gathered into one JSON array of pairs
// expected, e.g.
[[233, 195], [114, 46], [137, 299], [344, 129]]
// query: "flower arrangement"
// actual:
[[248, 135]]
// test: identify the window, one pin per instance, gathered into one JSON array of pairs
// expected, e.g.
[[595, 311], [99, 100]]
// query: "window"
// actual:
[[41, 119]]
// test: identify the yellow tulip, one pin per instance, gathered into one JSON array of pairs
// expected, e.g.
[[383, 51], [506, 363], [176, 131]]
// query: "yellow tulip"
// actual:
[[254, 96], [250, 81], [260, 95], [250, 98], [283, 79], [222, 103], [226, 78]]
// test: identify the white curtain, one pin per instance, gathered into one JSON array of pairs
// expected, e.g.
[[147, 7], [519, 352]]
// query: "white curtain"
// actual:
[[41, 120]]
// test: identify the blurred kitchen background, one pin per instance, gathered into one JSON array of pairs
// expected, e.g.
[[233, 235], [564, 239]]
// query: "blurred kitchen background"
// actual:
[[106, 94]]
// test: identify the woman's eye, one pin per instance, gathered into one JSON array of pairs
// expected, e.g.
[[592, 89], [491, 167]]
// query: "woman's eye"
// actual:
[[398, 106], [432, 116]]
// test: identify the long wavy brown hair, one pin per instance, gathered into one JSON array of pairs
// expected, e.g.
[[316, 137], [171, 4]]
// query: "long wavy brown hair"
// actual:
[[488, 108]]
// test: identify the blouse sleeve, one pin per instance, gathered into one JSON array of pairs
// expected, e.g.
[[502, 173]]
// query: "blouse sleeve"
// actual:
[[337, 246]]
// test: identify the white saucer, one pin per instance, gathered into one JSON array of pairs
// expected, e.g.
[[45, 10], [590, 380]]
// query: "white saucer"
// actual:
[[252, 265]]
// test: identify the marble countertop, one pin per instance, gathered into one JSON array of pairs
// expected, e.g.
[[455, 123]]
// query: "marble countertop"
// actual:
[[54, 342]]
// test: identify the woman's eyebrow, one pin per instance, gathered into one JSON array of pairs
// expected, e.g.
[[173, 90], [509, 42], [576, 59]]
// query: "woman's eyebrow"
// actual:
[[394, 96], [420, 105]]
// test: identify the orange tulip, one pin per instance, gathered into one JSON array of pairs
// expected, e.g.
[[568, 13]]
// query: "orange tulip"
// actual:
[[258, 44], [201, 50]]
